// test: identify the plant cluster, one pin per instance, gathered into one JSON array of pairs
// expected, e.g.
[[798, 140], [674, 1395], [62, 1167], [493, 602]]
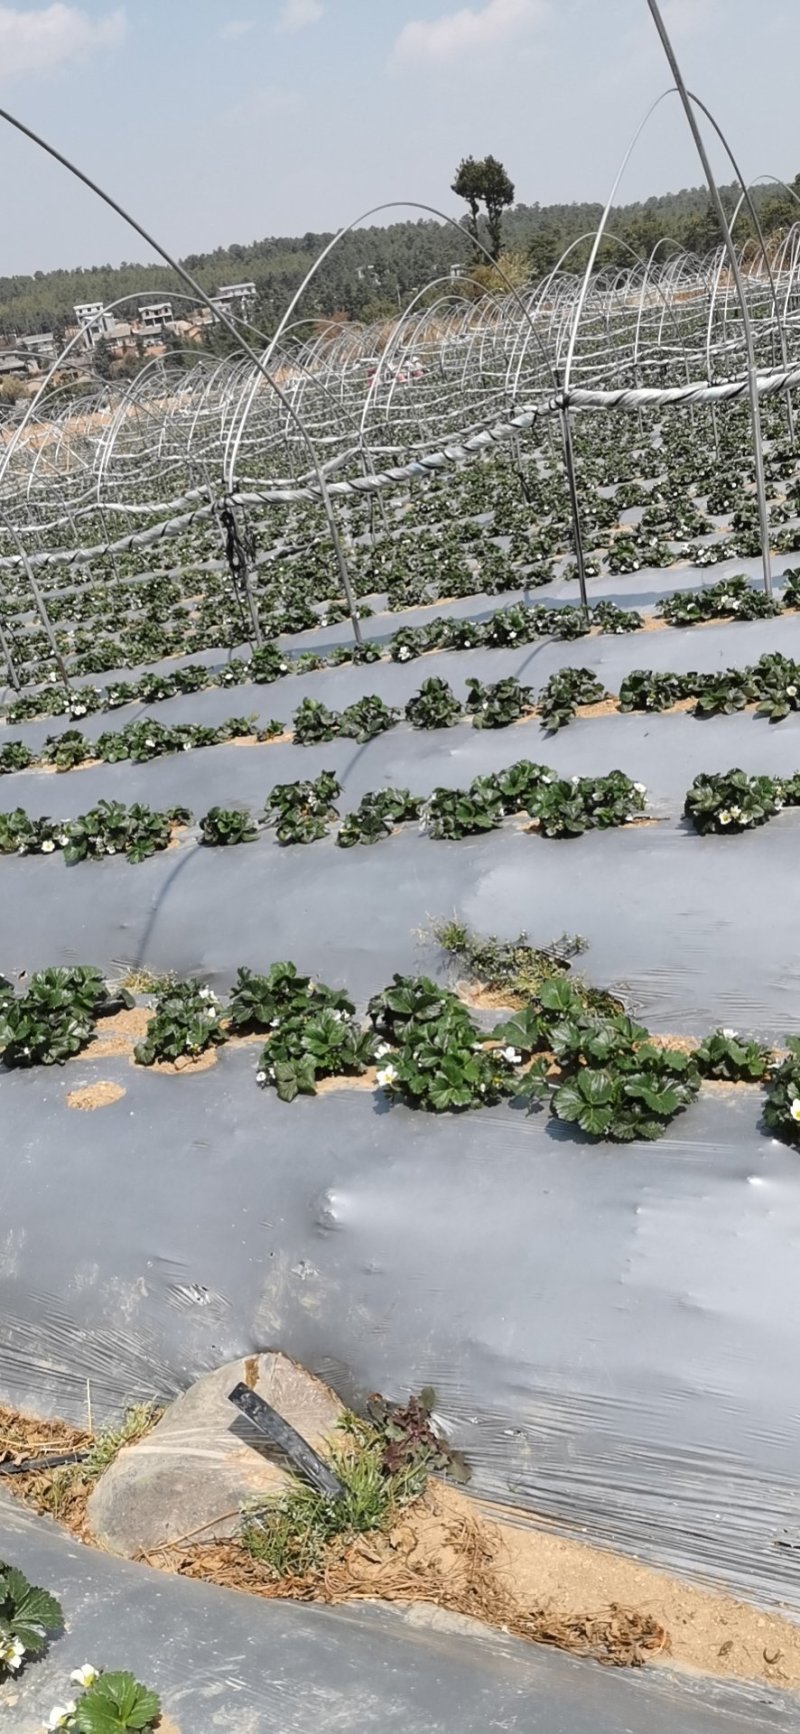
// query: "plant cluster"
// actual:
[[731, 598], [108, 1703], [55, 1018], [313, 1032], [377, 816], [562, 694], [28, 1616], [725, 802], [499, 705], [302, 812], [224, 827], [186, 1021]]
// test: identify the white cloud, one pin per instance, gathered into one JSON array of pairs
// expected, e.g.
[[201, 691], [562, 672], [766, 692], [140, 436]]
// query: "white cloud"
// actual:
[[470, 31], [42, 41], [237, 27], [297, 14]]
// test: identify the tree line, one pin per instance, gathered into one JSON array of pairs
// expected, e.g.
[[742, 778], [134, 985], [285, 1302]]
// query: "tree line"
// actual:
[[374, 271]]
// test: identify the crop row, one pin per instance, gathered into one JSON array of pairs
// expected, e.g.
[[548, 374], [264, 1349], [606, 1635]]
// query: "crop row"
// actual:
[[772, 684], [568, 1046], [510, 627], [303, 811]]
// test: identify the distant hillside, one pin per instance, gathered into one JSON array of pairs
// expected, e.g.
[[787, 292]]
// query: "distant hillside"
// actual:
[[373, 268]]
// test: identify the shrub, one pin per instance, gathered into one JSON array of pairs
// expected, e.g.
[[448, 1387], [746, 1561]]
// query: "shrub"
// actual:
[[28, 1615], [439, 1061], [313, 1030], [67, 750]]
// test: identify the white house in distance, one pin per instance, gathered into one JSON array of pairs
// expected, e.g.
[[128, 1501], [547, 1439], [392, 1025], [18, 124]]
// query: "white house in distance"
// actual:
[[94, 321], [235, 297], [155, 316]]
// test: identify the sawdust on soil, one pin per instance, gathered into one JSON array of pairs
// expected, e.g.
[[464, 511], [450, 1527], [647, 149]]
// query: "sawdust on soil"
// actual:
[[483, 998], [186, 1063], [368, 1080], [119, 1034], [99, 1095], [608, 706]]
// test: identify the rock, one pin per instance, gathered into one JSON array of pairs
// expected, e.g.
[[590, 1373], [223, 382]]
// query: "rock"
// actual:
[[189, 1478]]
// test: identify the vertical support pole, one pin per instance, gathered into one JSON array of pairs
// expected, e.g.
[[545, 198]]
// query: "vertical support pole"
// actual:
[[752, 375], [10, 664], [40, 604], [577, 533], [341, 559]]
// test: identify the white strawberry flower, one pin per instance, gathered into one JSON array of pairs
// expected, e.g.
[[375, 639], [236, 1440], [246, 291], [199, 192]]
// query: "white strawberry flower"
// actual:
[[85, 1676], [795, 1109], [48, 847], [387, 1077], [730, 1035], [512, 1055], [60, 1716], [12, 1653]]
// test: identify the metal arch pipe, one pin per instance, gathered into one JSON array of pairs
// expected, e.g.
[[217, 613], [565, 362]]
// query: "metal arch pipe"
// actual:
[[755, 409], [224, 319]]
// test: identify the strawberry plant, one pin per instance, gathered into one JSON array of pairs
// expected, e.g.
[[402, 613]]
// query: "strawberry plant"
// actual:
[[439, 1062], [20, 835], [28, 1615], [313, 722], [15, 756], [313, 1031], [775, 682], [185, 1022], [224, 827], [720, 694], [643, 689], [67, 750], [112, 1703], [111, 828], [453, 813], [561, 695], [567, 807], [609, 618], [55, 1018], [367, 718], [613, 1082], [497, 706], [266, 664], [377, 815], [435, 706], [731, 1058], [302, 812], [729, 801], [782, 1106]]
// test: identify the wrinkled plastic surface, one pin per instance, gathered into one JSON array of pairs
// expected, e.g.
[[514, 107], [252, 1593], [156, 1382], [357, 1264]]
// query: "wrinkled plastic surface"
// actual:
[[598, 1323]]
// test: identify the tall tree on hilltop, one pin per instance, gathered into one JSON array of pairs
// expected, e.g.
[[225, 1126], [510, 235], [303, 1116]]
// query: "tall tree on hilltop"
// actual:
[[485, 182]]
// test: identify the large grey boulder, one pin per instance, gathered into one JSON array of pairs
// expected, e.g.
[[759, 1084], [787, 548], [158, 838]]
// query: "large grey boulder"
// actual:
[[189, 1478]]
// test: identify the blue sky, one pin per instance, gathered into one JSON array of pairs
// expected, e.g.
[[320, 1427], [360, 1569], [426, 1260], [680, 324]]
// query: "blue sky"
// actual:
[[227, 120]]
